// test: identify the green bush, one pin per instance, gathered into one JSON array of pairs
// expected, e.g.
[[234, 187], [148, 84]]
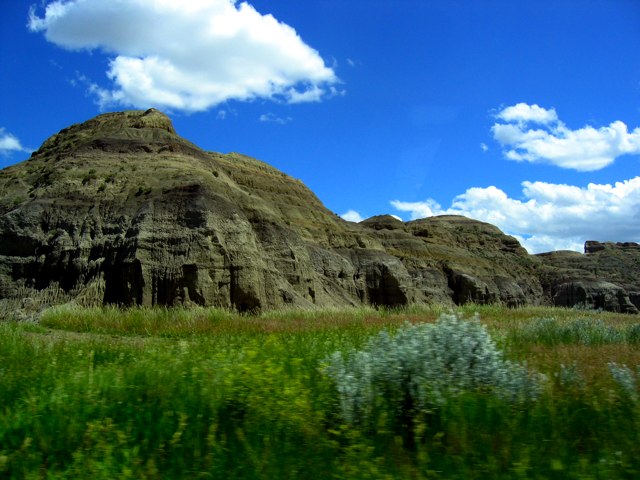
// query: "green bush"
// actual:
[[633, 333]]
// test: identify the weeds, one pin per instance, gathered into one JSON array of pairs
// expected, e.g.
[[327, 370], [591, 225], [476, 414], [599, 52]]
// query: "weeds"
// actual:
[[580, 331], [161, 393]]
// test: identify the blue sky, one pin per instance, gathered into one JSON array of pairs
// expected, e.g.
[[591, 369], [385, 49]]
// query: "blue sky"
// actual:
[[522, 114]]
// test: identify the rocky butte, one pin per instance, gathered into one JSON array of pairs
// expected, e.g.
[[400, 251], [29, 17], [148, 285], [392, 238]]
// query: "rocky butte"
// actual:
[[122, 210]]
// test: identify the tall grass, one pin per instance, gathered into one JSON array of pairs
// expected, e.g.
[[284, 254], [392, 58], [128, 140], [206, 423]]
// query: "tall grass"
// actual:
[[183, 322], [154, 393], [580, 331]]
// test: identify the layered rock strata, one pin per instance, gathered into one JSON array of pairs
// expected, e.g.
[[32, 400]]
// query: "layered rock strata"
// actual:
[[606, 276], [122, 210]]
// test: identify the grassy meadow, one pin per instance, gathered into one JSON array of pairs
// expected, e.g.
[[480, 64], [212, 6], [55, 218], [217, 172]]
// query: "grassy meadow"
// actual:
[[104, 393]]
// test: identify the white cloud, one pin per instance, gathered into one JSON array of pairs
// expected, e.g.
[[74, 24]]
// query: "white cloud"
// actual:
[[188, 55], [10, 144], [545, 243], [584, 149], [273, 118], [552, 216], [427, 208], [352, 216], [484, 147], [523, 113]]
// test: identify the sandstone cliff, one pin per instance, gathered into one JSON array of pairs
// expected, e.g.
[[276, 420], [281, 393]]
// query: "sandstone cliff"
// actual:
[[120, 209]]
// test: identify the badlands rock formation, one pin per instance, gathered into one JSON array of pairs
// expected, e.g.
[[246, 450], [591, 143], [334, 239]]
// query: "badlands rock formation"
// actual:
[[122, 210]]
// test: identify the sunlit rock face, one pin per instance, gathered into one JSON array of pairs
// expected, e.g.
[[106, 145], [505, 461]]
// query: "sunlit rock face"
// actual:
[[122, 210]]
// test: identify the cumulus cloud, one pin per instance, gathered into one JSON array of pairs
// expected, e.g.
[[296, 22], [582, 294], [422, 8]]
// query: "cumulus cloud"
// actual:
[[551, 216], [530, 133], [188, 55], [352, 216], [523, 113], [10, 144], [546, 243], [424, 209]]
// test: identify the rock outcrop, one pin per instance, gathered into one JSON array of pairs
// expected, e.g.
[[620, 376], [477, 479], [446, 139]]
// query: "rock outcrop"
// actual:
[[122, 210], [606, 276]]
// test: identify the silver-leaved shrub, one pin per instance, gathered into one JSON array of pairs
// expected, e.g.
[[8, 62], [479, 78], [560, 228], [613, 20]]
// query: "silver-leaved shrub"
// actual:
[[570, 377], [423, 365], [626, 379]]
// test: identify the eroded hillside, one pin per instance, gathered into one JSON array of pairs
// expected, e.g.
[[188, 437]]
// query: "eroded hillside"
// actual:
[[120, 209]]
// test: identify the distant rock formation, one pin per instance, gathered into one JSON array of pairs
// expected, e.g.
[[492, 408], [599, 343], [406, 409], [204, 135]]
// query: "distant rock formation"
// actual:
[[122, 210], [606, 276]]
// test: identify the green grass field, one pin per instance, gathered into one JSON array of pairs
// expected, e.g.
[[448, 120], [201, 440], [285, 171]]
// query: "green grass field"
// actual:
[[203, 393]]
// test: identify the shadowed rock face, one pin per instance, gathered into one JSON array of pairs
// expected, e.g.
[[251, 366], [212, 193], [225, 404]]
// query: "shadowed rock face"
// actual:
[[122, 210], [606, 276]]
